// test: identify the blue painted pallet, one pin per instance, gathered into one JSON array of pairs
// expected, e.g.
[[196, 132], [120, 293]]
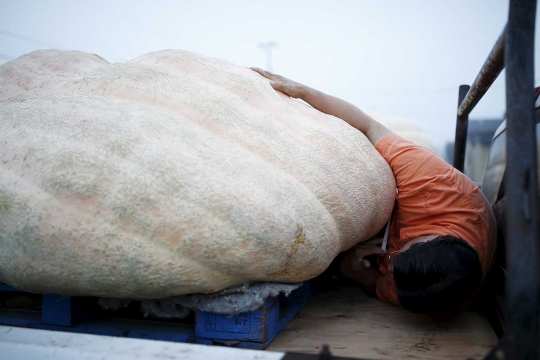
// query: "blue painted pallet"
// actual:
[[254, 330]]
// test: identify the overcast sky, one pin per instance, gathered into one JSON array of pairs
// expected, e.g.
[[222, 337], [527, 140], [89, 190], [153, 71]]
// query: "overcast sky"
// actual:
[[401, 57]]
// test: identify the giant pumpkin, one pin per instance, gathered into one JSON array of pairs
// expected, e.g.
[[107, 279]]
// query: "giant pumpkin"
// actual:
[[172, 174]]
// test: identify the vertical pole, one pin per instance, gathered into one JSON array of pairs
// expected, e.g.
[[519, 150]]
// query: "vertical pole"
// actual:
[[523, 251], [462, 125], [267, 47], [269, 59]]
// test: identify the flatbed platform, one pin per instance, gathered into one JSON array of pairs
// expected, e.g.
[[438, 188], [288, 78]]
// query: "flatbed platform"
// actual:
[[355, 325]]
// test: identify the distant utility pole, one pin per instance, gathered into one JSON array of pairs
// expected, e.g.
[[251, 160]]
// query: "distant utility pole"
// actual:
[[267, 47]]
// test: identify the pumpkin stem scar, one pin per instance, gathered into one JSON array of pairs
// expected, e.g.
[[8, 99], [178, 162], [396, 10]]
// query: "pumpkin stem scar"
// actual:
[[300, 235], [300, 238]]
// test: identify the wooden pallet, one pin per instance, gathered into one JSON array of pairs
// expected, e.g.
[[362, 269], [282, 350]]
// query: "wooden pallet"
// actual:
[[254, 330]]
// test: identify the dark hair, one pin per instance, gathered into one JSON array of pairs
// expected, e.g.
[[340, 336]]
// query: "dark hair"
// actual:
[[438, 275]]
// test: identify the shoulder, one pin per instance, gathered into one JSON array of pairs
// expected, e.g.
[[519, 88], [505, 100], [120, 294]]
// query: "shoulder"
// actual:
[[389, 140], [396, 150], [414, 167]]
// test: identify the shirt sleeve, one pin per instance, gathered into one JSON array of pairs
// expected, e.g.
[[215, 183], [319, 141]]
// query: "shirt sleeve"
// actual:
[[386, 289], [413, 166]]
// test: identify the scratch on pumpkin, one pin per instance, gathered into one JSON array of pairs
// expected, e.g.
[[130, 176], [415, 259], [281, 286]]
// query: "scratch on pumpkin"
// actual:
[[300, 238]]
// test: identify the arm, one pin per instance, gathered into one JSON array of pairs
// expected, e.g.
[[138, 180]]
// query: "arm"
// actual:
[[331, 105]]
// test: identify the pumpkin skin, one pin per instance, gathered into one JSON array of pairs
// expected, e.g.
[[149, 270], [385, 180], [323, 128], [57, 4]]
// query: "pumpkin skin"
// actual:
[[173, 174]]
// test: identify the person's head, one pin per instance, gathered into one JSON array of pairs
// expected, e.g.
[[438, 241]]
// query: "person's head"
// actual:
[[436, 274]]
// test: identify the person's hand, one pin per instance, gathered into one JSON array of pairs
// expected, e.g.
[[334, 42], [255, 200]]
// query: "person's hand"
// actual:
[[365, 249], [358, 269], [280, 83]]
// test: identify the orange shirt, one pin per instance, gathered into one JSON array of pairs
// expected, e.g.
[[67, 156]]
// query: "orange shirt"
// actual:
[[433, 198]]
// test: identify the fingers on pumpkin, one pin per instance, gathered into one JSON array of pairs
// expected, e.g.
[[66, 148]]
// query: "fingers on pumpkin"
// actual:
[[277, 85], [264, 73], [284, 88]]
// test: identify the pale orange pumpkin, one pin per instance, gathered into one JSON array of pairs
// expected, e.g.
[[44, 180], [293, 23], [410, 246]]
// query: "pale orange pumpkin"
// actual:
[[172, 174]]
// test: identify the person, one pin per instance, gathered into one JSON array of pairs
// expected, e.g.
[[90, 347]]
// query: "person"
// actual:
[[442, 236]]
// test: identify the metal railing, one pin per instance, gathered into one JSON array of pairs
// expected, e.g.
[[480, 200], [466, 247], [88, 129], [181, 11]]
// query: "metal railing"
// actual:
[[515, 50], [470, 96]]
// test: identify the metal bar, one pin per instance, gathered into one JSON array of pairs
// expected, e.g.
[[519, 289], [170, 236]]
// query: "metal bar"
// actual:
[[523, 251], [462, 124], [488, 74]]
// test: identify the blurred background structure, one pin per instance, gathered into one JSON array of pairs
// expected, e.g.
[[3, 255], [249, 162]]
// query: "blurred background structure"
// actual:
[[267, 47], [403, 59], [479, 136]]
